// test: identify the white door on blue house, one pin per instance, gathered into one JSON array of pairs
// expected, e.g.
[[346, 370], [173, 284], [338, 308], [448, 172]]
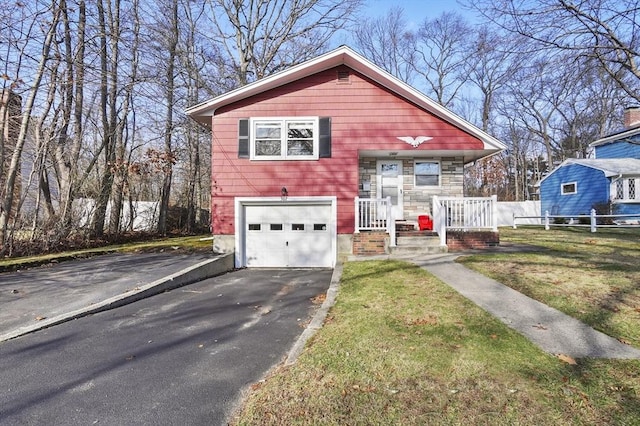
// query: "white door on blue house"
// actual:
[[389, 184]]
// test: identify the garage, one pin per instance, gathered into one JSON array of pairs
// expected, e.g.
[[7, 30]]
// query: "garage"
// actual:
[[294, 233]]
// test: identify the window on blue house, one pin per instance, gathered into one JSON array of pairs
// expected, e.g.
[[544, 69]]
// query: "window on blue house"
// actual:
[[626, 190], [569, 188]]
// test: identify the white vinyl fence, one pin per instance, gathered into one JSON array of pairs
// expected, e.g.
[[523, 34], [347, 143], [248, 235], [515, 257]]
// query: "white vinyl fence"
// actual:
[[137, 216], [590, 220], [530, 210]]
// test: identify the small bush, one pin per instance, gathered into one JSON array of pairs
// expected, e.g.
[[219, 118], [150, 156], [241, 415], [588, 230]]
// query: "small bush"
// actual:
[[560, 220]]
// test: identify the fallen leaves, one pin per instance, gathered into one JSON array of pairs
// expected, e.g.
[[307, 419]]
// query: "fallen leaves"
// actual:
[[319, 299], [40, 318], [425, 320], [567, 359]]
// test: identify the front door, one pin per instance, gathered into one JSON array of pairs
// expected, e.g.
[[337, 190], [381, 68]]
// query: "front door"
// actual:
[[389, 184]]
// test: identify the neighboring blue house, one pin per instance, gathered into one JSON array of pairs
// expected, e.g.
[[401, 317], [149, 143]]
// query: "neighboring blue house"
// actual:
[[612, 177]]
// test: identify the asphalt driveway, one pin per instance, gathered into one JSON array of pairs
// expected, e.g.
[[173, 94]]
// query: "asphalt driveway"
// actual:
[[181, 357], [34, 294]]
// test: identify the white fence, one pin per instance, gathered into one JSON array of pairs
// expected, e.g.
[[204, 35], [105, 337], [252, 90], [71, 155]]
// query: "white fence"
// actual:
[[508, 209], [590, 220], [139, 216]]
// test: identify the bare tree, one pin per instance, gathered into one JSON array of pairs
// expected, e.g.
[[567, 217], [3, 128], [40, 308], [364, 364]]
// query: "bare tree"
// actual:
[[114, 103], [489, 66], [52, 15], [263, 37], [607, 31], [170, 80], [388, 43], [67, 149], [442, 47]]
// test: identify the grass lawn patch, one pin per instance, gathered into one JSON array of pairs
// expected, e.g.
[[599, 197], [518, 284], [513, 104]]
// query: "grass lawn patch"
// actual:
[[402, 348], [594, 277], [182, 244]]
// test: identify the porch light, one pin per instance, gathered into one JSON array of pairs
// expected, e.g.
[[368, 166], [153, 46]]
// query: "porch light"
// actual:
[[284, 193]]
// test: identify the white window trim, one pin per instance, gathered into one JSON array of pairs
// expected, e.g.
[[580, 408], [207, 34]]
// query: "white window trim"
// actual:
[[283, 121], [563, 192], [625, 190], [415, 181]]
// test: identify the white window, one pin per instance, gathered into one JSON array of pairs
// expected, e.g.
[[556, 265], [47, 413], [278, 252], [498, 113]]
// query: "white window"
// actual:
[[569, 188], [426, 173], [284, 138], [626, 190]]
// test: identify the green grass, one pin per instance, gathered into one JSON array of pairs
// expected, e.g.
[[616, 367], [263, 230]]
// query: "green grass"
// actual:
[[402, 348], [592, 277], [189, 243]]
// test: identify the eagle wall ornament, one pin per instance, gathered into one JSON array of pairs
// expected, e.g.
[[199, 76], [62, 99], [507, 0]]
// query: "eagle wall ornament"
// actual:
[[414, 142]]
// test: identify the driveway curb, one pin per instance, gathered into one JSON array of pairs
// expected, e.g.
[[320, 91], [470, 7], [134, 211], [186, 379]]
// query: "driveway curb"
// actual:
[[203, 270], [318, 319]]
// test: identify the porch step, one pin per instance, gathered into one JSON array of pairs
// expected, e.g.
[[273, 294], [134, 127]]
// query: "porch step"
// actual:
[[414, 250], [417, 242]]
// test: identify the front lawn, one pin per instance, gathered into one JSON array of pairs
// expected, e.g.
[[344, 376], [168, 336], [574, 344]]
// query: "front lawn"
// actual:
[[402, 348], [199, 243], [594, 277]]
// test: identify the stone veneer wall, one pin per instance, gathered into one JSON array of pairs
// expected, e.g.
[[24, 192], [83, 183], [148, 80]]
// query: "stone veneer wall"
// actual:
[[417, 200]]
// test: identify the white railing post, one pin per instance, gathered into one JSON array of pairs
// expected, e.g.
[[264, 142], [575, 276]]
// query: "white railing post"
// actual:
[[593, 220], [439, 221], [391, 223], [494, 213], [357, 214], [514, 221], [546, 220]]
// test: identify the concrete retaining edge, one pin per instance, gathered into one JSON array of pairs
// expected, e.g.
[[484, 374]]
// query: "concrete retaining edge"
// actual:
[[318, 319], [203, 270]]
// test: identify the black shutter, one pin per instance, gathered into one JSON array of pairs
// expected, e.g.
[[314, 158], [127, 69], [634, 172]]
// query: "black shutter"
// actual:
[[243, 138], [325, 137]]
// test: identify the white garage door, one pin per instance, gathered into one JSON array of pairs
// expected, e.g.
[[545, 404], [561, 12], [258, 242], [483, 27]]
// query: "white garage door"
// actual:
[[288, 235]]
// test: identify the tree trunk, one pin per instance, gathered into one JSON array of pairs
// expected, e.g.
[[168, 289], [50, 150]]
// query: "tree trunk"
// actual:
[[14, 166], [165, 193]]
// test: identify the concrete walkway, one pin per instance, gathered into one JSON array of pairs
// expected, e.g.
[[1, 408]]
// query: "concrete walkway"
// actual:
[[550, 329]]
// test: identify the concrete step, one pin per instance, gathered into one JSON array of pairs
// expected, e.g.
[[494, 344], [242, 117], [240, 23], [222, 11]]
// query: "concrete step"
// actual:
[[416, 250], [418, 241]]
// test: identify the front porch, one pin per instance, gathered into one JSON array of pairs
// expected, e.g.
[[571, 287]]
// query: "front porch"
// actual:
[[458, 224]]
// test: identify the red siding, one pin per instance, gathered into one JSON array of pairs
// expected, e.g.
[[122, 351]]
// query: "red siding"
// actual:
[[363, 116]]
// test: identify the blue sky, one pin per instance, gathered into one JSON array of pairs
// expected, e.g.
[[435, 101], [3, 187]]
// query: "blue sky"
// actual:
[[416, 10]]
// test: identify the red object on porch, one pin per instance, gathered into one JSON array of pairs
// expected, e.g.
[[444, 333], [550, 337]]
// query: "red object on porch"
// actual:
[[425, 223]]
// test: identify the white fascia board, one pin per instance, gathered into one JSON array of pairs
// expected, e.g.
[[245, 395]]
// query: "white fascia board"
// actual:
[[616, 137], [607, 172]]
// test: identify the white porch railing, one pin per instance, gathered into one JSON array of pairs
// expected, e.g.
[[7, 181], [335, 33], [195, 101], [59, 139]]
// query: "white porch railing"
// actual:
[[372, 214], [464, 213], [448, 213]]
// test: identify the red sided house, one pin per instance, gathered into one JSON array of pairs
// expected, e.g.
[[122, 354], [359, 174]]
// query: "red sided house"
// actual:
[[328, 157]]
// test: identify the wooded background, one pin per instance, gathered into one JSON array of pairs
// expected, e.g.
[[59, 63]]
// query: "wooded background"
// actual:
[[94, 92]]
